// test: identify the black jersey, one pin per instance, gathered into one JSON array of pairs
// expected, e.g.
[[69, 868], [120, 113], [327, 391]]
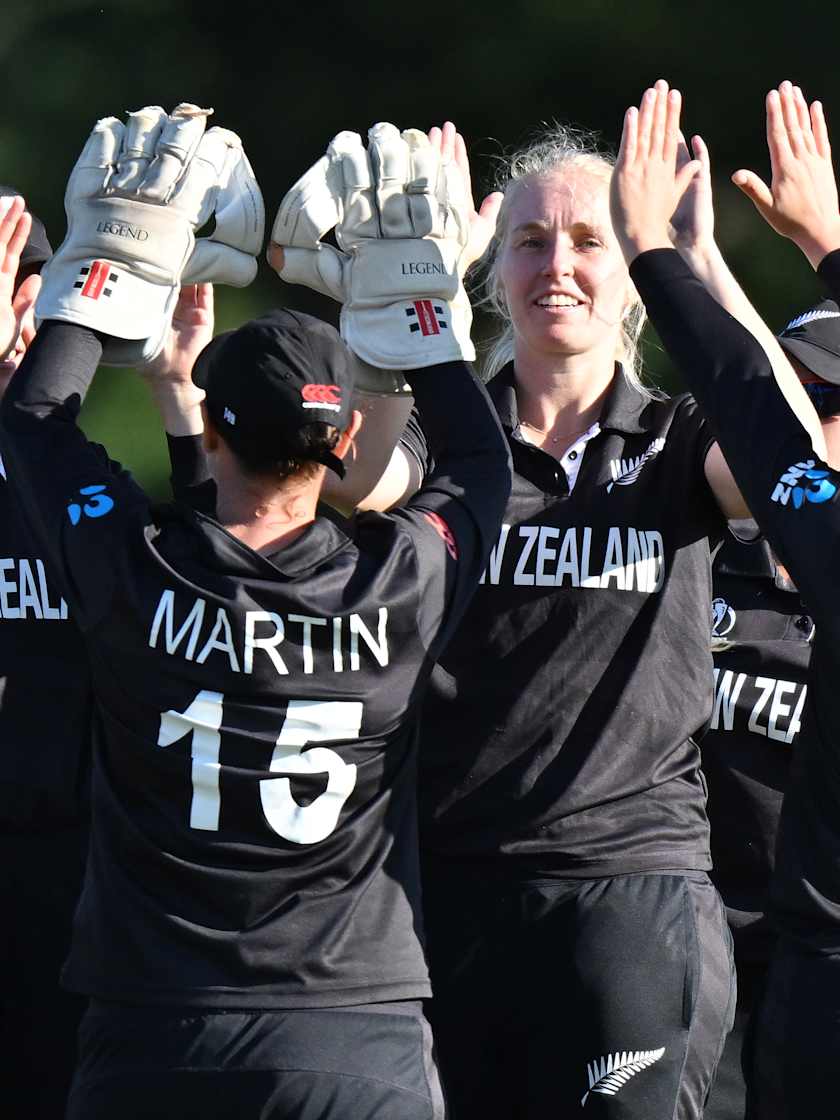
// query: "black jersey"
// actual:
[[253, 825], [558, 730], [45, 700], [45, 705], [761, 641], [793, 496]]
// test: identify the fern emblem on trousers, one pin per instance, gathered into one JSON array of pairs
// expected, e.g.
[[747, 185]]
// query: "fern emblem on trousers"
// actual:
[[611, 1072]]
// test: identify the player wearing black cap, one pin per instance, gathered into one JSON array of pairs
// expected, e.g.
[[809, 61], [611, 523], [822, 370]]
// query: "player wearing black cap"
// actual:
[[738, 377], [249, 927]]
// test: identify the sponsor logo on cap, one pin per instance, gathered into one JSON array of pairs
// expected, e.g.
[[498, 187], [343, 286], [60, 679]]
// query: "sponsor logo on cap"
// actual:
[[321, 396], [228, 415]]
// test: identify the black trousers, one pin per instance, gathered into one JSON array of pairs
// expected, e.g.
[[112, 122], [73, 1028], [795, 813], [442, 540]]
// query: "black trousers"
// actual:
[[797, 1038], [731, 1097], [561, 998], [40, 880], [361, 1063]]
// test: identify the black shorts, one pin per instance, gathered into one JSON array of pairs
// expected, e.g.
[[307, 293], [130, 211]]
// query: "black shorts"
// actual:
[[354, 1063], [558, 998], [797, 1038], [40, 879]]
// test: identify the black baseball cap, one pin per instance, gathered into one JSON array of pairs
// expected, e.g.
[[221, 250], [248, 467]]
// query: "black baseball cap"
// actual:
[[272, 377], [37, 248], [813, 338]]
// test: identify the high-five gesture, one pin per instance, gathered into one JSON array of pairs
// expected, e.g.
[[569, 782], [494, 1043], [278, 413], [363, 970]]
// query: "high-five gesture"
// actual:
[[14, 230], [801, 201], [482, 222], [647, 185]]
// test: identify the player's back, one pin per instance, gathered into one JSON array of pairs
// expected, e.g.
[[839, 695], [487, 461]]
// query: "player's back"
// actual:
[[254, 793]]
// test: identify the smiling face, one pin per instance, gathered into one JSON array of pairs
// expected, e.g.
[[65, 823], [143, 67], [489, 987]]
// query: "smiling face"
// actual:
[[560, 266]]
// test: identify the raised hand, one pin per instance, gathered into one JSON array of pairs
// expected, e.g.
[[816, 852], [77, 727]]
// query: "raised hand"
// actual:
[[693, 221], [647, 185], [190, 331], [801, 201], [450, 143], [15, 224], [169, 375]]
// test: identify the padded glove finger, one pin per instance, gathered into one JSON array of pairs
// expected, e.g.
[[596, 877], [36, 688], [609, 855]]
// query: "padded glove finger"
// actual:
[[390, 169], [427, 216], [216, 263], [178, 140], [94, 167], [322, 269], [313, 205], [138, 147], [359, 217]]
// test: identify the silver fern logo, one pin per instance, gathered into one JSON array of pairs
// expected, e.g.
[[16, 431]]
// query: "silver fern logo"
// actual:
[[615, 1070], [625, 471], [810, 317]]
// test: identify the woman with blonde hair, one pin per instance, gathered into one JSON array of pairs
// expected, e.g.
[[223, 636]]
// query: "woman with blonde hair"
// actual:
[[579, 953]]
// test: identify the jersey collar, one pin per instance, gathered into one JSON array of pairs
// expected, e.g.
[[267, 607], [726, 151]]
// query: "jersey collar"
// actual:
[[625, 409]]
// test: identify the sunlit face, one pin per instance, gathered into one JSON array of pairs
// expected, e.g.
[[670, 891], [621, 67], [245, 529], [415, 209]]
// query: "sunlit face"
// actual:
[[24, 305], [561, 267]]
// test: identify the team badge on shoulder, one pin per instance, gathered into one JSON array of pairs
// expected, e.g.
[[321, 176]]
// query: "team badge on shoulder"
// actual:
[[723, 618], [804, 482], [99, 503]]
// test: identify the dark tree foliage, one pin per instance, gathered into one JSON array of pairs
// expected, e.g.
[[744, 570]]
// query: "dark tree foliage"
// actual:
[[287, 76]]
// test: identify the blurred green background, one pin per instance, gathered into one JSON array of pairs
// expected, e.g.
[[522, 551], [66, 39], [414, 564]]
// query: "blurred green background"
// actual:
[[287, 76]]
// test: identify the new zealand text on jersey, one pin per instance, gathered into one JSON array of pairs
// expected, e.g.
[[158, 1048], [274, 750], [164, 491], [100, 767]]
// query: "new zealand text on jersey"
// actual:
[[24, 592], [781, 720], [314, 643], [630, 560]]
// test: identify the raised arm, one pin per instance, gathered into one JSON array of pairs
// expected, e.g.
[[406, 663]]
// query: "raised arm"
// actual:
[[379, 472], [788, 487], [108, 288]]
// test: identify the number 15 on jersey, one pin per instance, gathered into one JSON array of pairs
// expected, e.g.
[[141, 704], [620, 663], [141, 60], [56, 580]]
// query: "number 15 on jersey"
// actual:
[[306, 721]]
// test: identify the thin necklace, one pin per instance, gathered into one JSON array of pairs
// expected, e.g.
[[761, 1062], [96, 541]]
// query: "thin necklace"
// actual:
[[554, 439]]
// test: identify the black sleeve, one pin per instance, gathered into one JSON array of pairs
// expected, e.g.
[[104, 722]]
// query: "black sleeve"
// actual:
[[455, 516], [190, 478], [413, 442], [791, 493], [77, 502]]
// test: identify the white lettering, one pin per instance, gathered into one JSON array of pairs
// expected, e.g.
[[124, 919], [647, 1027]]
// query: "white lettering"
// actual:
[[520, 579], [727, 690], [765, 686], [267, 644], [378, 647], [165, 614]]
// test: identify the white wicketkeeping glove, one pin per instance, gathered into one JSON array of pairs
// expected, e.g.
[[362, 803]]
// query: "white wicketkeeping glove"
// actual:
[[401, 221], [134, 200]]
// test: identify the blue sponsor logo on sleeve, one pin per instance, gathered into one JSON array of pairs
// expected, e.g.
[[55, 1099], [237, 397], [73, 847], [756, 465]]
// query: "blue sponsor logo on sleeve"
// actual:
[[804, 482], [99, 504]]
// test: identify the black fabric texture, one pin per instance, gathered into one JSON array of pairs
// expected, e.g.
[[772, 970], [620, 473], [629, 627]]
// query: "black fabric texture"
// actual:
[[537, 984], [362, 1063], [557, 738], [771, 456], [254, 826]]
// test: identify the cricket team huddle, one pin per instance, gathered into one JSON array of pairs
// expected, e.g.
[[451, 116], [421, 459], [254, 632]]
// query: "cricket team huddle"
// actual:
[[446, 747]]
